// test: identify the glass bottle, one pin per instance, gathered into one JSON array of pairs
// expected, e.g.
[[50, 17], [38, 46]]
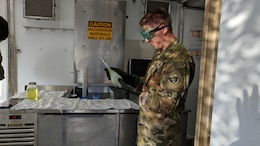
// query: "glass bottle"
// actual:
[[32, 91]]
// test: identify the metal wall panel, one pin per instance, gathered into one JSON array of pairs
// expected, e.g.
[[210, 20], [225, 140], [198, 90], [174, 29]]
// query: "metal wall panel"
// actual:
[[87, 51]]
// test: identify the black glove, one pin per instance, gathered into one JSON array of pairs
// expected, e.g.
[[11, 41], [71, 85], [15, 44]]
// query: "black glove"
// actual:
[[131, 80], [126, 92], [3, 29], [2, 72]]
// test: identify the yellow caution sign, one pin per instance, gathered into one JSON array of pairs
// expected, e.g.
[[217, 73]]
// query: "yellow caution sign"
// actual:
[[98, 30]]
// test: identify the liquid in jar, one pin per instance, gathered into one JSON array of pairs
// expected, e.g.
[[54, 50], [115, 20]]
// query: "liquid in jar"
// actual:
[[32, 91]]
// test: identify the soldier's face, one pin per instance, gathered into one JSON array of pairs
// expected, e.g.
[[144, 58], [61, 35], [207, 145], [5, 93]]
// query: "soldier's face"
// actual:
[[152, 35]]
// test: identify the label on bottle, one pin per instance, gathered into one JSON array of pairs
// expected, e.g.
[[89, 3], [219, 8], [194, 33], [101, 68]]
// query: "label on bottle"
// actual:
[[32, 93]]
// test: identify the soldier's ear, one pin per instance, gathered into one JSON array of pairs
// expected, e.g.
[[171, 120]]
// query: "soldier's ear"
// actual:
[[165, 30]]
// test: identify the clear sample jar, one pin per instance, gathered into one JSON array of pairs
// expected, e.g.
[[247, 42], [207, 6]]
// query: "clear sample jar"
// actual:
[[32, 91]]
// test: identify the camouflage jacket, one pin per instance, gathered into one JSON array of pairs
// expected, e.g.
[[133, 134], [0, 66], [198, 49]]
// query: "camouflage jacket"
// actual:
[[2, 72], [163, 96]]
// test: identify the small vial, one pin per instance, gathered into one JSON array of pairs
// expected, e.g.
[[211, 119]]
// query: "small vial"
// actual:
[[32, 91]]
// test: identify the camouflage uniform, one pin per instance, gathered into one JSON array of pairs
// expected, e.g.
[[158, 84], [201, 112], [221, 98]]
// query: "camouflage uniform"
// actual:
[[3, 35], [163, 97], [2, 72]]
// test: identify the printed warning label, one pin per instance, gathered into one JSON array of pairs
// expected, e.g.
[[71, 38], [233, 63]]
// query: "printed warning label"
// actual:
[[99, 30]]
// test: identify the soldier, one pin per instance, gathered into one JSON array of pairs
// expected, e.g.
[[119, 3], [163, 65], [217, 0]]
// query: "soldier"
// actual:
[[165, 85], [3, 29], [3, 35]]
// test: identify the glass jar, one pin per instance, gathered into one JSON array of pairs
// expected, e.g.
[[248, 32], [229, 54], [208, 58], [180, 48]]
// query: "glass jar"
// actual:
[[32, 91]]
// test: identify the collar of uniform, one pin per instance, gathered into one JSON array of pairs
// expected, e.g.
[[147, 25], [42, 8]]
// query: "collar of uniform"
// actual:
[[172, 46]]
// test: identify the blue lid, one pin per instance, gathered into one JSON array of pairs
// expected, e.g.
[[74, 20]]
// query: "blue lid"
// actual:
[[83, 97], [95, 96]]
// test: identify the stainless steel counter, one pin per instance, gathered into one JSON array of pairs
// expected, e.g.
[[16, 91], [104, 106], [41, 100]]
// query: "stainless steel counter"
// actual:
[[74, 127], [53, 111], [58, 121]]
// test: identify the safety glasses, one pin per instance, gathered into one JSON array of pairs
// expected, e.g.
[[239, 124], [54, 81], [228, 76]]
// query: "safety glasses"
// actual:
[[149, 34]]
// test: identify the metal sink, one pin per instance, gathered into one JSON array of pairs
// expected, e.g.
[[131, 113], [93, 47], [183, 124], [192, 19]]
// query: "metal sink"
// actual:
[[68, 89]]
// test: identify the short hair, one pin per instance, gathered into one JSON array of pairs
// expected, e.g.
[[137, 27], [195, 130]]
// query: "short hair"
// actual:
[[157, 16], [3, 29]]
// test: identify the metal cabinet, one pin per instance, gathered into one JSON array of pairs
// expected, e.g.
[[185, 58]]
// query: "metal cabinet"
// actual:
[[87, 129]]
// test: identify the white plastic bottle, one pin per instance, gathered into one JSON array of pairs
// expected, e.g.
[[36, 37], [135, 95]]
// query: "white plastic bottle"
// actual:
[[32, 91]]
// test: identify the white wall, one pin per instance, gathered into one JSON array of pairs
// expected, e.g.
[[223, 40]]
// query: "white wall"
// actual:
[[134, 46], [236, 109], [46, 46], [48, 53], [193, 20]]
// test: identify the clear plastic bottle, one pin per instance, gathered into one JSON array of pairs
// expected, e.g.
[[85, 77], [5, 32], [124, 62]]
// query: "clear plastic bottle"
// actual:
[[32, 91]]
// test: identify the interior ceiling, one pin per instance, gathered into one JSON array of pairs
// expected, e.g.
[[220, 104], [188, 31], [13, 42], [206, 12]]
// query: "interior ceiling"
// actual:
[[192, 3]]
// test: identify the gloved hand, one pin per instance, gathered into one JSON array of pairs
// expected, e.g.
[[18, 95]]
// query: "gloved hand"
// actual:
[[2, 72], [126, 92], [131, 80], [3, 29]]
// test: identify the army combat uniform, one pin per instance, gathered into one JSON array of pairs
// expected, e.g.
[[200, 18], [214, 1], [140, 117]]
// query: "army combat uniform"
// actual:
[[2, 72], [163, 96], [3, 35]]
